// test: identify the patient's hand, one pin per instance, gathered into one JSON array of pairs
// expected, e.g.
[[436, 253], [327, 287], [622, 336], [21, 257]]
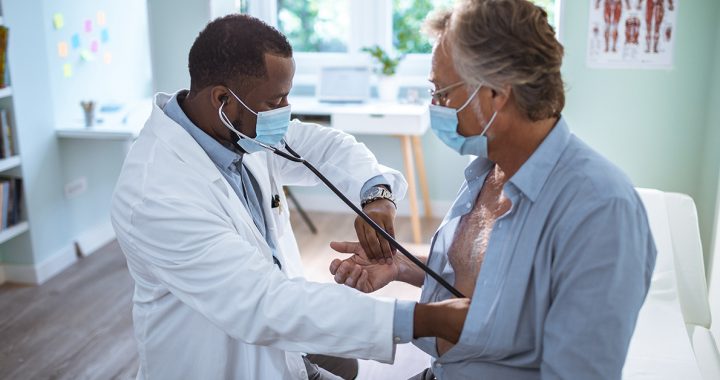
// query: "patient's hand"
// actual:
[[382, 212], [360, 273]]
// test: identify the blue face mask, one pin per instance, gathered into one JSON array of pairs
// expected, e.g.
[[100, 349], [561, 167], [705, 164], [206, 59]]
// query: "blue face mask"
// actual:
[[270, 127], [444, 122]]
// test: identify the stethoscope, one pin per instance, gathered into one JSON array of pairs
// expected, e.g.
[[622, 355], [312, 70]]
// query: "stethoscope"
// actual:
[[293, 156]]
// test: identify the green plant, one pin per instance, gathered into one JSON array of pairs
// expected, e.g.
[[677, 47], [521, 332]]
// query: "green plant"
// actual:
[[386, 65]]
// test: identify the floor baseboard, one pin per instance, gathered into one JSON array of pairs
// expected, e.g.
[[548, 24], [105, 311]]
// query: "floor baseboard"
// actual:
[[93, 239], [36, 274]]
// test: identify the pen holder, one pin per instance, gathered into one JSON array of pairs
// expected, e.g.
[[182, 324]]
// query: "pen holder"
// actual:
[[89, 111]]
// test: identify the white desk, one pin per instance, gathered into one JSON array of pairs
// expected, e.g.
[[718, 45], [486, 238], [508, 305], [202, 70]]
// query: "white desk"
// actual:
[[408, 122]]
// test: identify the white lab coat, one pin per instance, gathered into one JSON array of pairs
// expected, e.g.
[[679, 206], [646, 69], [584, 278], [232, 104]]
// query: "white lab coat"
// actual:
[[209, 303]]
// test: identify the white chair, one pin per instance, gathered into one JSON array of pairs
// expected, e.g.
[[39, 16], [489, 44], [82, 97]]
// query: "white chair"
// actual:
[[672, 339], [715, 281]]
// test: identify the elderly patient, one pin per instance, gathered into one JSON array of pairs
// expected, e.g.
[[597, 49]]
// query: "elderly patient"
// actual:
[[547, 237]]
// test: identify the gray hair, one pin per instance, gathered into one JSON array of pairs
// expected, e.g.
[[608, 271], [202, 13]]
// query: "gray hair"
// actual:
[[501, 43]]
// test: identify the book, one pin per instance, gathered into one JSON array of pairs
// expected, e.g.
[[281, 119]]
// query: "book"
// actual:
[[5, 203], [4, 31], [17, 200], [3, 117]]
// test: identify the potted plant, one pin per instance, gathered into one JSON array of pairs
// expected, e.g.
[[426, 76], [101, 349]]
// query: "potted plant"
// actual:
[[386, 67]]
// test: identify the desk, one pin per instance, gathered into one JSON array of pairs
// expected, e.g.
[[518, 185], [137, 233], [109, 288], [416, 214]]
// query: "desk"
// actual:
[[408, 122]]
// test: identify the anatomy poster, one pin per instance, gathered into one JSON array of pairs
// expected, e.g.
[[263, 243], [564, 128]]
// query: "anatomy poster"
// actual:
[[632, 34]]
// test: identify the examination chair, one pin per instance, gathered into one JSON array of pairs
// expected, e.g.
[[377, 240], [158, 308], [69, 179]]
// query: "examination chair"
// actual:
[[672, 338]]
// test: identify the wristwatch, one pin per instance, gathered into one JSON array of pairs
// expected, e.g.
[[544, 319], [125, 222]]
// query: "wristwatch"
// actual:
[[375, 193]]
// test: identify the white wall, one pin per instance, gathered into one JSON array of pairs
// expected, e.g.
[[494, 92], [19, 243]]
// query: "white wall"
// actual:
[[173, 29], [127, 78], [45, 98]]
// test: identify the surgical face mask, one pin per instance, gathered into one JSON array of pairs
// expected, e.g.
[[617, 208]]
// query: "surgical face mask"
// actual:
[[444, 122], [270, 128]]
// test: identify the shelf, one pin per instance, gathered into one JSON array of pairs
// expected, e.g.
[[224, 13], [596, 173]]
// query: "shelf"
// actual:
[[5, 92], [9, 163], [98, 132], [13, 231]]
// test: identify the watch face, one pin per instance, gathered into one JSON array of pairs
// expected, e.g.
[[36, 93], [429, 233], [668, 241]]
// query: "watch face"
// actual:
[[377, 192]]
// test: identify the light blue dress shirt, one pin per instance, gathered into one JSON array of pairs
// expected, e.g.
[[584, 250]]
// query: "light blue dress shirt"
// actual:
[[565, 271], [229, 162]]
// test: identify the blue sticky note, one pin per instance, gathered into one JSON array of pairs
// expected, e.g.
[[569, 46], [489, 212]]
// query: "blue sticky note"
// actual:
[[105, 35], [75, 41]]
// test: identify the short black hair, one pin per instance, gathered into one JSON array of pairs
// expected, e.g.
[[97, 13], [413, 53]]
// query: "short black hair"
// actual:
[[232, 47]]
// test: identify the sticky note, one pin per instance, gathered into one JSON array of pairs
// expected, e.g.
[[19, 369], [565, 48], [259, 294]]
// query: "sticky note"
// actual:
[[67, 70], [101, 20], [62, 49], [107, 58], [75, 41], [58, 20], [94, 46], [88, 26], [105, 35], [86, 55]]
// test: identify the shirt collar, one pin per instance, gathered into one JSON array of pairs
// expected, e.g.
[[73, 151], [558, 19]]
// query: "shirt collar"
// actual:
[[533, 174], [218, 153]]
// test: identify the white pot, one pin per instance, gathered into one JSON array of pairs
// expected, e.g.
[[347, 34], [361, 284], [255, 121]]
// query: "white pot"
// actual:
[[388, 87]]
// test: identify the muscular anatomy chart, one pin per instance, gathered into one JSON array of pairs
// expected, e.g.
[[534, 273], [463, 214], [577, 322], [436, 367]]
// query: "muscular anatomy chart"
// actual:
[[631, 33]]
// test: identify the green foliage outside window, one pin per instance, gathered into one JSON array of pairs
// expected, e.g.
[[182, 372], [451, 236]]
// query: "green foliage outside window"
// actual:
[[409, 15], [408, 18], [314, 25]]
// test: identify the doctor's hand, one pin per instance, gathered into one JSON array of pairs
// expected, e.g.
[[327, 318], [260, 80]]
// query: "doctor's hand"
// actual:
[[377, 249], [360, 273]]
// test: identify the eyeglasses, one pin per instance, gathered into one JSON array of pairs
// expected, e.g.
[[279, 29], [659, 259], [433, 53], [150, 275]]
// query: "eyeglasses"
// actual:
[[440, 96]]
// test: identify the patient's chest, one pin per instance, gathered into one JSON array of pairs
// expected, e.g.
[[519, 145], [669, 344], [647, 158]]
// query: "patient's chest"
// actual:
[[467, 251]]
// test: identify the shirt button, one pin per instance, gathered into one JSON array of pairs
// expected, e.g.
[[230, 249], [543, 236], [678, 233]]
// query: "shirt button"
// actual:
[[468, 205], [397, 339], [438, 364]]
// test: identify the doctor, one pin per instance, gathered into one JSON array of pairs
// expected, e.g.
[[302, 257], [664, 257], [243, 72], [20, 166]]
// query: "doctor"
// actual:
[[547, 237], [200, 214]]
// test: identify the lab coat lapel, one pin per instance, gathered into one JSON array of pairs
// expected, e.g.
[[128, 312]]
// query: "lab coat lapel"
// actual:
[[257, 166], [190, 152]]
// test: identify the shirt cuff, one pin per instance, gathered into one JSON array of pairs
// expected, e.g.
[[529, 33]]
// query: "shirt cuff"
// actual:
[[374, 181], [403, 321]]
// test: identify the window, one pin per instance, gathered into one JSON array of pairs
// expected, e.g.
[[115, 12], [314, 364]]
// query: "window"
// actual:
[[550, 7], [408, 18], [333, 32], [319, 26]]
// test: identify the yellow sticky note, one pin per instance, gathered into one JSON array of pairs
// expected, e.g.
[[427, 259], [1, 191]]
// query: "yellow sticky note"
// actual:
[[101, 20], [58, 21], [62, 49], [67, 70], [107, 58]]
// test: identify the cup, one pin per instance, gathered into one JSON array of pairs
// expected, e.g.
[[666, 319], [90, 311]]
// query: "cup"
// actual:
[[89, 111]]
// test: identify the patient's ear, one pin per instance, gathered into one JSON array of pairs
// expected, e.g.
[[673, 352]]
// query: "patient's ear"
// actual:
[[501, 97]]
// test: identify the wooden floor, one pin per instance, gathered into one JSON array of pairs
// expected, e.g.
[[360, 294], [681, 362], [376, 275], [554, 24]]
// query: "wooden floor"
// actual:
[[78, 325]]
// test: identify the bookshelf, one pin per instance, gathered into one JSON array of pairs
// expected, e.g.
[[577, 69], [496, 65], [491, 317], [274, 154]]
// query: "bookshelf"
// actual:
[[11, 170], [9, 163], [13, 231]]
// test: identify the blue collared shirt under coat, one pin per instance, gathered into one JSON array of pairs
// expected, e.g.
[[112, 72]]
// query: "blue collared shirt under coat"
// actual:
[[229, 163], [565, 272]]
